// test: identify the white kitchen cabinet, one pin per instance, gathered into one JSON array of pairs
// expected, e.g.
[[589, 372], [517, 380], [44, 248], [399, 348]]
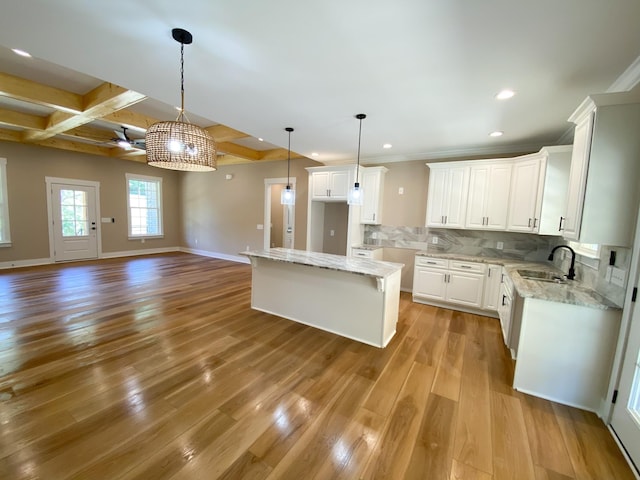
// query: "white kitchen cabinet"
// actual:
[[492, 283], [603, 191], [523, 198], [447, 195], [488, 197], [370, 253], [372, 182], [330, 184], [554, 184], [448, 282]]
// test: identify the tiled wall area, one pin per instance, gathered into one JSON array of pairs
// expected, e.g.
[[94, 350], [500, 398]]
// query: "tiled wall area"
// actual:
[[519, 246]]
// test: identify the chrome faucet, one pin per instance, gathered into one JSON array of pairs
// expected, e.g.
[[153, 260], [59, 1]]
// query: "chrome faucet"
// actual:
[[572, 272]]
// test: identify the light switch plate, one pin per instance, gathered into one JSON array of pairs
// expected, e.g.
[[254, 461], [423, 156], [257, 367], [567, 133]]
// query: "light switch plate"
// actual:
[[500, 245], [434, 240]]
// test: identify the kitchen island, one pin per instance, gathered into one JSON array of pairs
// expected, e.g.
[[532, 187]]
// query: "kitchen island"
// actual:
[[357, 298]]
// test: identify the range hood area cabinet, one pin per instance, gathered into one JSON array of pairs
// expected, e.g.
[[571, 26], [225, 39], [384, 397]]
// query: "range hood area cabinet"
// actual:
[[603, 195]]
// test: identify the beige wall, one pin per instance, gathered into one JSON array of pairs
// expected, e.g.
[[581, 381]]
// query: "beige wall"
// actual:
[[408, 209], [336, 218], [276, 216], [221, 216], [27, 167]]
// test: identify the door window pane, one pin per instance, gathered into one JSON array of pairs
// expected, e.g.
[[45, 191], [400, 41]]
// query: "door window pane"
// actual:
[[634, 398], [74, 213]]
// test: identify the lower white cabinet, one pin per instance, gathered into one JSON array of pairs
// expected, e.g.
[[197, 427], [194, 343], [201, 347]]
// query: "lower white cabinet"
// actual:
[[438, 281], [491, 298], [373, 254]]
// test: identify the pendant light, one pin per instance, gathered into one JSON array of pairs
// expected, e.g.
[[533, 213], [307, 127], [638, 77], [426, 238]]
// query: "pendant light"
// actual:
[[355, 194], [180, 145], [288, 195]]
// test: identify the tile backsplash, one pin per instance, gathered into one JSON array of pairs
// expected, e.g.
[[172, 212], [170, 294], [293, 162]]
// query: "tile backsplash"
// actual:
[[519, 246]]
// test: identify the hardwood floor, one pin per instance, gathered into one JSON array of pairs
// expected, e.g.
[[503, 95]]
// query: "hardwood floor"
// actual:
[[157, 368]]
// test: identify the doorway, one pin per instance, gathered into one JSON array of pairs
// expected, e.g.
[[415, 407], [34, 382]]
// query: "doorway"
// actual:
[[73, 211], [279, 220]]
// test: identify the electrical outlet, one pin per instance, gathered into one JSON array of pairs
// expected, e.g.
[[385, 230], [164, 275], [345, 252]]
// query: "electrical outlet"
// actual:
[[401, 191], [332, 233], [434, 240], [260, 226], [500, 245], [618, 276]]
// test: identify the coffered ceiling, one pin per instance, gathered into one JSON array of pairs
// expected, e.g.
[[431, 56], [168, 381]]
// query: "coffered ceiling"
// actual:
[[425, 73]]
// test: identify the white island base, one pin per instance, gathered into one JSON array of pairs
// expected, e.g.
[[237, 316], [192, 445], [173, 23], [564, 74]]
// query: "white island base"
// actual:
[[355, 305]]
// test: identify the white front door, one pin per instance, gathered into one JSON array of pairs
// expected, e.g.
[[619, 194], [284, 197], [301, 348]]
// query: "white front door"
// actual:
[[74, 221], [626, 412]]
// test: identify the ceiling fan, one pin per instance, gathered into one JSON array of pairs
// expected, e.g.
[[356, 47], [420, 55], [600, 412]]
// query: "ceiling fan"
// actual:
[[123, 140]]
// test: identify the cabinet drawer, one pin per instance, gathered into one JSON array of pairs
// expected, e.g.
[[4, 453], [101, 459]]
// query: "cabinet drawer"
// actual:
[[431, 262], [470, 267]]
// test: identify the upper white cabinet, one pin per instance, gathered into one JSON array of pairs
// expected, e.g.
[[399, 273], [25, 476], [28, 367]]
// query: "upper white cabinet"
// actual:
[[447, 195], [330, 183], [372, 182], [488, 196], [603, 193], [538, 191]]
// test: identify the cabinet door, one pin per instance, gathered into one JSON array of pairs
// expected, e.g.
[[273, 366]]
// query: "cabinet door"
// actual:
[[456, 197], [371, 205], [436, 197], [465, 288], [491, 296], [523, 200], [497, 197], [339, 186], [430, 283], [476, 205], [320, 185], [577, 179]]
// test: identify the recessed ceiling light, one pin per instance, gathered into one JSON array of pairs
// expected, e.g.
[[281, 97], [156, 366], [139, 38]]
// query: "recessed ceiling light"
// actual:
[[387, 145], [497, 133], [261, 139], [505, 94], [22, 53], [315, 154]]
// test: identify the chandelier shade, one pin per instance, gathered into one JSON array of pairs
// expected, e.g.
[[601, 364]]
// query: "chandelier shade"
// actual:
[[179, 144]]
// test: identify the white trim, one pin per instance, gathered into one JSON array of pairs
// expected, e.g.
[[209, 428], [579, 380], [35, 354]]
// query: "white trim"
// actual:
[[628, 79], [635, 472], [4, 201], [146, 251], [49, 182], [221, 256], [150, 179], [33, 262]]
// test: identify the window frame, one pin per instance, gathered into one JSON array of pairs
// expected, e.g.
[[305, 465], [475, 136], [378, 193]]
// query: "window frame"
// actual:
[[5, 234], [158, 182]]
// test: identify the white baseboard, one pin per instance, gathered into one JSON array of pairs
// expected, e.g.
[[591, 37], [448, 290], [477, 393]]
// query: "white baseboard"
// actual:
[[32, 262], [133, 253], [221, 256]]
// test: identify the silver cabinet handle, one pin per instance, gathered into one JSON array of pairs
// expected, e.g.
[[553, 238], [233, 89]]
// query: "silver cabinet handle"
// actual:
[[445, 219], [489, 273], [465, 266], [504, 297], [529, 224], [535, 221], [432, 263], [560, 226]]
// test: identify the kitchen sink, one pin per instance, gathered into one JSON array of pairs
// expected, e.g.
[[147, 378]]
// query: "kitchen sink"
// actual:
[[541, 276]]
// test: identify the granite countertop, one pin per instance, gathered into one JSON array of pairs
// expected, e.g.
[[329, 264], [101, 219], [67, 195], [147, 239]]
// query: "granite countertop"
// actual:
[[368, 247], [571, 292], [361, 266]]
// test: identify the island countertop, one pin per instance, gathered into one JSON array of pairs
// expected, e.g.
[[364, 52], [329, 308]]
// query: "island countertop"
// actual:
[[361, 266]]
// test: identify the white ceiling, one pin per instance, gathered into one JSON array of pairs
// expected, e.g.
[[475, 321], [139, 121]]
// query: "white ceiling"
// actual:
[[425, 72]]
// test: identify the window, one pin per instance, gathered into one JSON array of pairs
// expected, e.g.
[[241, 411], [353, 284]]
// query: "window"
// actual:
[[591, 250], [5, 236], [144, 202]]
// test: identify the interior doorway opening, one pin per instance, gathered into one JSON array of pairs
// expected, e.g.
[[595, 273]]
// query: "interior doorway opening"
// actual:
[[279, 220]]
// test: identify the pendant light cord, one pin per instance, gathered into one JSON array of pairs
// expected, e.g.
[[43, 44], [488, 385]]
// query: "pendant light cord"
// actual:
[[289, 129], [360, 117], [181, 81]]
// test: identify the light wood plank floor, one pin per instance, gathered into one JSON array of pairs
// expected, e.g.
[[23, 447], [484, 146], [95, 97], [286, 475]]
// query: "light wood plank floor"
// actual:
[[157, 368]]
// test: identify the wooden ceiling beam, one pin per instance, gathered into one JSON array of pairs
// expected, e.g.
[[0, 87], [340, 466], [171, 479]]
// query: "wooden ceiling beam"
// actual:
[[34, 92], [278, 154], [91, 134], [22, 120], [16, 136], [238, 150], [101, 101], [222, 133]]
